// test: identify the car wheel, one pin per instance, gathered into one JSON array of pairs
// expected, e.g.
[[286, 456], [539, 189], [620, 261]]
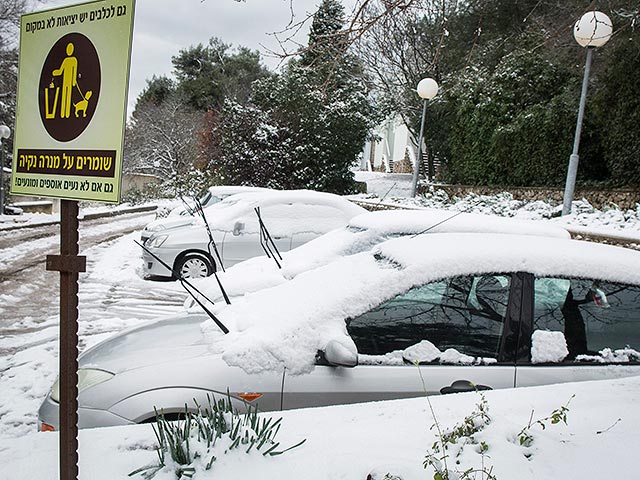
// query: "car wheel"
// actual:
[[194, 265]]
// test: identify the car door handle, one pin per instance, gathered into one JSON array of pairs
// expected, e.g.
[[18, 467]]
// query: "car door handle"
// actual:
[[460, 386]]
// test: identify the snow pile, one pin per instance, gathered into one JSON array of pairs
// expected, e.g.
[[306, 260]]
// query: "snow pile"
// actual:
[[607, 355], [423, 353], [548, 347]]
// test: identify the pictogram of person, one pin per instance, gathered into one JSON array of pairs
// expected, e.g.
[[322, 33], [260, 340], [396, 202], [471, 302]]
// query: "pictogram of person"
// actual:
[[69, 71]]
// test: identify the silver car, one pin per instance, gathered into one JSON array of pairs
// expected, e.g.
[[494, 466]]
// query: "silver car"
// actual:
[[181, 216], [472, 310], [291, 217]]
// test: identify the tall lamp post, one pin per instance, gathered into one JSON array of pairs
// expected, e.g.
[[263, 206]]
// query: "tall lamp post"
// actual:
[[427, 89], [593, 30], [4, 133]]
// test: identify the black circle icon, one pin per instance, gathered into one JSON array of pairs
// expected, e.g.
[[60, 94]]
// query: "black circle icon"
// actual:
[[69, 87]]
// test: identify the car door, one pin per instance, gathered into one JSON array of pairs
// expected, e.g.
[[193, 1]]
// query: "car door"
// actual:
[[242, 240], [440, 337], [582, 329]]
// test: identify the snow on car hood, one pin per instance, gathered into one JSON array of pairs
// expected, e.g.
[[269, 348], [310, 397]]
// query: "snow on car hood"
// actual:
[[286, 325], [154, 343]]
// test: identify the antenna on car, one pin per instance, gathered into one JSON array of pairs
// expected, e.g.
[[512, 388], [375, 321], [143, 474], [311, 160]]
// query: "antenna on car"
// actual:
[[267, 243], [210, 245], [188, 286], [439, 223]]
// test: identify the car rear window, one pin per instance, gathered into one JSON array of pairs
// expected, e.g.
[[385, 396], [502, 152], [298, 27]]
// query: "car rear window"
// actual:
[[600, 320]]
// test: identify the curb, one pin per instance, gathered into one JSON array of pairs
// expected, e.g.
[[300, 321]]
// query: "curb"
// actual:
[[88, 216]]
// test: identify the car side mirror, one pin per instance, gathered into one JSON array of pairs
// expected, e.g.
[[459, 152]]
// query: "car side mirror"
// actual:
[[338, 355], [238, 228]]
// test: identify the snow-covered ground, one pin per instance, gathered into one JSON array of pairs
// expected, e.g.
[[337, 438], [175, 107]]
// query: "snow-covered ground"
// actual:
[[348, 442], [342, 442], [394, 190]]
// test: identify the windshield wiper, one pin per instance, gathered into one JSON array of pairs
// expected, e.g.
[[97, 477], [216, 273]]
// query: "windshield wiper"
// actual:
[[267, 243], [190, 210], [210, 245], [188, 286]]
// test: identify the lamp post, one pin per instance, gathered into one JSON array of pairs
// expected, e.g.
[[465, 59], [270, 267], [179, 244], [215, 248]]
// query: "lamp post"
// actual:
[[4, 133], [427, 89], [593, 30]]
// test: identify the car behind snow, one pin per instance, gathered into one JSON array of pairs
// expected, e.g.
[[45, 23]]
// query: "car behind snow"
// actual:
[[471, 310], [291, 218]]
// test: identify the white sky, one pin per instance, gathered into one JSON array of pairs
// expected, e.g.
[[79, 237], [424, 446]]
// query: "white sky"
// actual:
[[163, 27]]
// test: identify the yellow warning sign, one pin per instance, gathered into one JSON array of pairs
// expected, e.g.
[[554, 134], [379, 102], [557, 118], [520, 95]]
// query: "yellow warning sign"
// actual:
[[72, 95]]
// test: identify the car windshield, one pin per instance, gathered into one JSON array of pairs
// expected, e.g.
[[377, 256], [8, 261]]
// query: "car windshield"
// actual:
[[207, 197]]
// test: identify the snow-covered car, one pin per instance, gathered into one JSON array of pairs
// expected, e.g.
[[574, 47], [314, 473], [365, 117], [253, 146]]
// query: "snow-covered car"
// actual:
[[469, 310], [181, 216], [291, 218], [362, 233]]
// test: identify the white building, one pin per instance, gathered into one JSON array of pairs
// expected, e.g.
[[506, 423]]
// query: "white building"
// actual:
[[393, 148]]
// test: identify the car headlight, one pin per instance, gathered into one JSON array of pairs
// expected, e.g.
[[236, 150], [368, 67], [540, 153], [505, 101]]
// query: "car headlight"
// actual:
[[156, 241], [87, 378]]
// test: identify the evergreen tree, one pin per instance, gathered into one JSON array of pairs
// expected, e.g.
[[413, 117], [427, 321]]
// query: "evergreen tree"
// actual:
[[617, 111], [327, 41], [248, 148], [157, 91], [207, 75], [317, 114]]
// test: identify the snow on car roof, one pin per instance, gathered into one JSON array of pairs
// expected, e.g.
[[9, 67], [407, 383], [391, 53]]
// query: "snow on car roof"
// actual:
[[242, 201], [440, 221], [284, 326]]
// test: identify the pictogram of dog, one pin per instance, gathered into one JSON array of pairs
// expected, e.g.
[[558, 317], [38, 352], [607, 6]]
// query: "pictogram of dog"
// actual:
[[83, 104]]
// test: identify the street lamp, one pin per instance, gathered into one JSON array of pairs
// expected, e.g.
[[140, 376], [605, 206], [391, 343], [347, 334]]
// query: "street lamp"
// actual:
[[4, 133], [427, 89], [593, 30]]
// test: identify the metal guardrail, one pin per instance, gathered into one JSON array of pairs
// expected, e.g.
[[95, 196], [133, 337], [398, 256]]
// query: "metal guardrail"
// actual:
[[579, 233]]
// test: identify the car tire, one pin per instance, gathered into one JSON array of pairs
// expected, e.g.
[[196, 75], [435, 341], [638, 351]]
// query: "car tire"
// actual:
[[194, 265]]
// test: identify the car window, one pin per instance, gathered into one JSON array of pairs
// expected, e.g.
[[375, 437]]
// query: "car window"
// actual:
[[205, 201], [456, 320], [600, 320]]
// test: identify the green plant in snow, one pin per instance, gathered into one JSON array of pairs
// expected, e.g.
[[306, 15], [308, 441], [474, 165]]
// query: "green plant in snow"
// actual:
[[525, 437], [461, 435], [182, 443], [457, 438]]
